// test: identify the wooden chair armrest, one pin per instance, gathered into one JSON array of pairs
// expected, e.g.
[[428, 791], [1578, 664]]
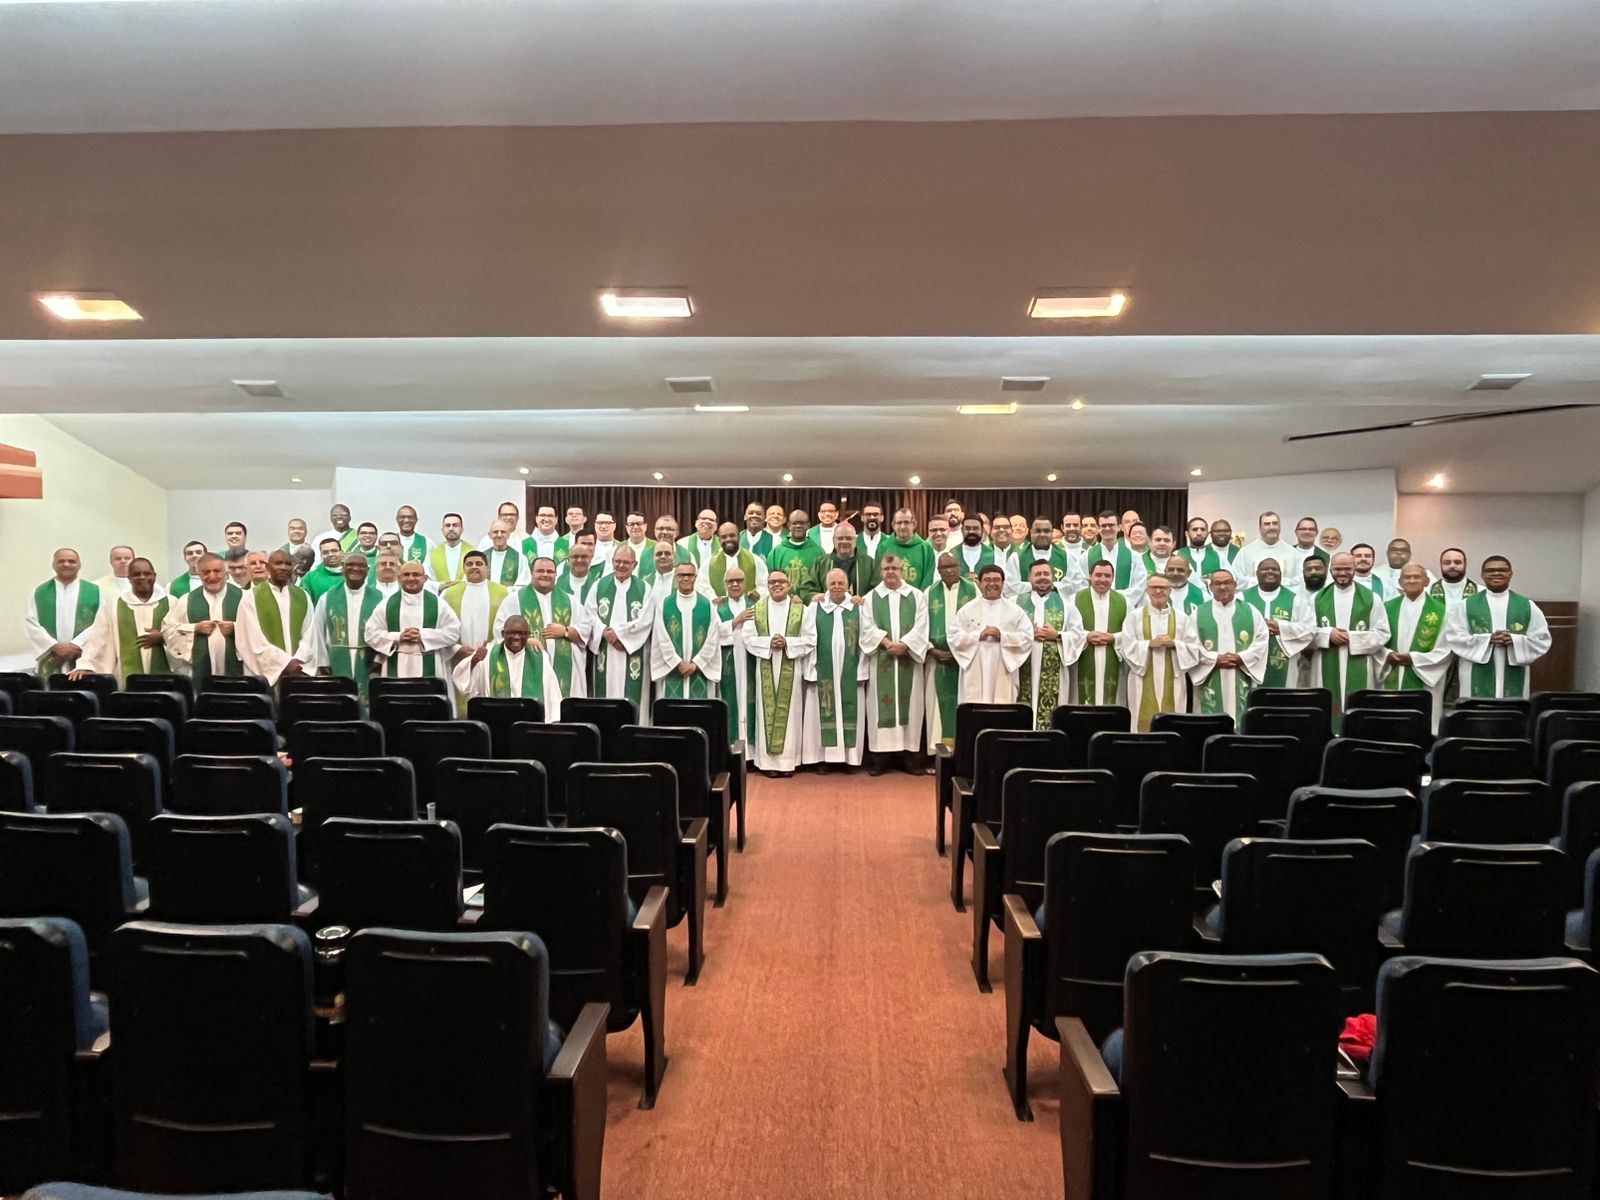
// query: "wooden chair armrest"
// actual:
[[720, 782], [1018, 920], [469, 918], [652, 912], [1091, 1115], [940, 750], [983, 838], [577, 1086], [307, 910]]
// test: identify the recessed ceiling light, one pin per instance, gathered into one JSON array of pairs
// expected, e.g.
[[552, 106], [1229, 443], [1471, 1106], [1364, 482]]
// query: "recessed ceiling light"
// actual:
[[294, 479], [988, 410], [1061, 304], [522, 470], [722, 408], [1195, 472], [657, 476], [646, 304], [1502, 382], [1050, 478], [915, 480], [260, 389], [87, 306], [683, 385], [788, 478], [1023, 383], [1077, 404], [1438, 481]]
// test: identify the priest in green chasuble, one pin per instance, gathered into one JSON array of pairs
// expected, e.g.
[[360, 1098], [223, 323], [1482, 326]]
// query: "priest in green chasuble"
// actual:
[[860, 569], [130, 641], [729, 555], [516, 665], [1276, 606], [1233, 649], [199, 629], [328, 573], [1159, 648], [414, 631], [562, 627], [836, 701], [1065, 572], [795, 554], [941, 675], [339, 624], [1058, 640], [62, 621], [1345, 631], [1186, 594], [776, 639], [1419, 654], [894, 642], [273, 634], [738, 683], [1497, 636], [623, 617], [915, 553], [685, 646]]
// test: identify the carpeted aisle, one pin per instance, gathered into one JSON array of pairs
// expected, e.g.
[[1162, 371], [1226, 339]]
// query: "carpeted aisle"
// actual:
[[836, 1045]]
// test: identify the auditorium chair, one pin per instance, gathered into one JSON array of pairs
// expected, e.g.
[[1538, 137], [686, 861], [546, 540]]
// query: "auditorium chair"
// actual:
[[1479, 902], [1224, 1087], [1389, 724], [72, 865], [640, 801], [372, 788], [1276, 762], [1378, 698], [395, 710], [37, 738], [225, 871], [212, 1041], [298, 707], [131, 735], [456, 1082], [229, 785], [500, 713], [1483, 758], [100, 683], [994, 752], [476, 793], [1489, 811], [425, 743], [1482, 1084], [128, 785], [685, 749], [334, 739], [556, 746], [418, 685], [220, 739], [606, 715], [1580, 930], [1542, 702], [1080, 722], [51, 1042], [1386, 817], [14, 683], [1290, 697], [1563, 725], [1571, 762], [1580, 832], [1036, 803], [75, 706], [171, 682], [569, 887], [16, 782], [1356, 763], [170, 706], [1495, 704], [7, 705], [1208, 810], [711, 716], [1106, 898], [233, 706], [953, 763], [401, 873], [317, 685], [1194, 728], [1303, 897], [1312, 726], [251, 683], [1482, 723], [1130, 757]]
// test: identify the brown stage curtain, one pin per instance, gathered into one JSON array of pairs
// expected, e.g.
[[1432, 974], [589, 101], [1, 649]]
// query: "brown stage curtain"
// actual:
[[1158, 506]]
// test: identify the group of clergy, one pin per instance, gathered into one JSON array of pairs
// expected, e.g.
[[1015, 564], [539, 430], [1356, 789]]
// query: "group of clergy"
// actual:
[[831, 645]]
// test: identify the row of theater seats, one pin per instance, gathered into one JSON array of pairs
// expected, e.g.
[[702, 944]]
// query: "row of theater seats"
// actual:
[[589, 839], [1217, 867]]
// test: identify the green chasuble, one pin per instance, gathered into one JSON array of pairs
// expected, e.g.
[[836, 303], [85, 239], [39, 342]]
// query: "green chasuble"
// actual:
[[1055, 617], [946, 675], [687, 642], [1208, 694], [1120, 558], [1430, 624], [896, 676], [1281, 609], [834, 708], [562, 550], [795, 558], [500, 674], [920, 562], [130, 657], [1519, 612], [182, 585], [439, 564], [271, 620], [1116, 614], [414, 548], [1157, 694], [1028, 554], [430, 620], [319, 581], [860, 570], [344, 658], [630, 604], [348, 539], [560, 650], [776, 675], [44, 601], [1355, 676], [199, 609], [719, 570], [730, 675]]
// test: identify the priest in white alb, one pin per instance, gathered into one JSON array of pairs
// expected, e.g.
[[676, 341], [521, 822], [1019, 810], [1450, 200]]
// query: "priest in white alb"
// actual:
[[991, 638], [1345, 629], [62, 621], [480, 606], [894, 643], [619, 642], [513, 666], [414, 630], [774, 636], [1159, 648], [1098, 676], [273, 633], [941, 675], [836, 670], [1233, 640], [1419, 653], [1497, 635], [738, 683], [561, 626], [1058, 640], [200, 626], [339, 624], [130, 641], [686, 645]]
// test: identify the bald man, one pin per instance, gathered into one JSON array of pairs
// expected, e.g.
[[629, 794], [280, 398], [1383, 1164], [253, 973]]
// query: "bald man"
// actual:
[[274, 634]]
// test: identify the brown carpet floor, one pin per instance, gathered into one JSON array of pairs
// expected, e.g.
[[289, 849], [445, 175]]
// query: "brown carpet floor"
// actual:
[[837, 1044]]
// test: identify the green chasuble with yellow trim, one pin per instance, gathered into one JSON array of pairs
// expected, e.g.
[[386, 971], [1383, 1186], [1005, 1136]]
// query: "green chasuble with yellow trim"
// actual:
[[130, 656], [1280, 609], [837, 702], [946, 675], [687, 642], [347, 647], [1055, 617], [1430, 624], [83, 615], [199, 609], [1519, 612], [776, 674], [896, 676], [1116, 615], [1208, 694], [730, 683], [632, 602]]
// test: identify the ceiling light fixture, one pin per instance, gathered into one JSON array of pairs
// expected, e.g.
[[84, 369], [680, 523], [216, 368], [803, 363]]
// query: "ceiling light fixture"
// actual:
[[1502, 381], [1023, 383], [1050, 478], [260, 389], [522, 471], [1077, 404], [1438, 481], [788, 478], [1195, 472], [915, 481], [722, 408], [646, 304], [294, 479], [657, 476], [87, 306], [988, 410], [1061, 304]]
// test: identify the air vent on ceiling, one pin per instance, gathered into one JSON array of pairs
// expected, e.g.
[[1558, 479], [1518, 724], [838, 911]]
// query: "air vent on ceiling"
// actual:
[[1023, 383], [686, 385], [260, 389], [1442, 419], [1499, 383]]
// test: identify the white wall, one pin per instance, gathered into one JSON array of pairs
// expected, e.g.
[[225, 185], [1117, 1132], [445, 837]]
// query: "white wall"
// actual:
[[376, 495], [1542, 535], [1361, 504], [90, 503], [200, 515], [1589, 596]]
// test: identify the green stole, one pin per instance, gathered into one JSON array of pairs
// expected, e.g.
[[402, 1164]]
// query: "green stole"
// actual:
[[181, 586], [271, 620], [585, 589], [1355, 679], [730, 686], [414, 548], [946, 675], [895, 675], [562, 550], [348, 539], [1376, 584], [1423, 639], [510, 567], [1468, 588], [199, 609], [1281, 609], [985, 557], [343, 658], [828, 700], [1116, 614], [605, 597], [1211, 561], [1156, 695], [1519, 611], [129, 653], [457, 592], [430, 620], [719, 570], [500, 674], [687, 550], [1055, 616], [1244, 627], [441, 565], [696, 686], [1026, 557], [44, 601], [760, 545], [777, 679], [1121, 561]]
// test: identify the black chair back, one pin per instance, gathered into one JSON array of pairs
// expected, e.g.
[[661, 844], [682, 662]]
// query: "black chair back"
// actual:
[[1474, 1117], [1542, 702], [1080, 722], [1277, 762], [1304, 897], [401, 873], [170, 706], [427, 743], [182, 684], [221, 870], [1386, 817], [1572, 762], [334, 739], [445, 1059], [500, 713], [394, 710], [420, 685], [996, 752], [368, 789], [1356, 763], [249, 684], [16, 782], [317, 685], [1483, 758], [1313, 726], [476, 793], [1195, 728], [298, 707], [1208, 810], [606, 715], [1562, 724], [639, 801], [1484, 901], [229, 785], [128, 785], [1369, 698], [1106, 898], [1288, 697], [1225, 1072], [100, 683], [212, 1028], [1495, 703], [228, 738], [75, 706], [36, 737], [130, 735], [1130, 757], [72, 865], [556, 746], [1038, 803], [1489, 811], [234, 706], [1482, 723], [682, 748], [14, 683], [708, 715], [1389, 724], [1588, 899], [972, 719]]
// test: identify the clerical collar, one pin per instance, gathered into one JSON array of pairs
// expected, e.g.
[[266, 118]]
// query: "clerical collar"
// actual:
[[1038, 595], [829, 604], [355, 590], [801, 542]]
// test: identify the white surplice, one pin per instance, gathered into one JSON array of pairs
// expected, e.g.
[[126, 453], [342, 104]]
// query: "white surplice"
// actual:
[[256, 653], [844, 676], [1093, 658], [889, 739], [582, 623], [66, 605], [769, 662], [1071, 645], [736, 692], [474, 680], [665, 655], [1304, 632], [1431, 666], [440, 641], [1254, 656], [108, 642], [1526, 648], [989, 669], [1145, 666]]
